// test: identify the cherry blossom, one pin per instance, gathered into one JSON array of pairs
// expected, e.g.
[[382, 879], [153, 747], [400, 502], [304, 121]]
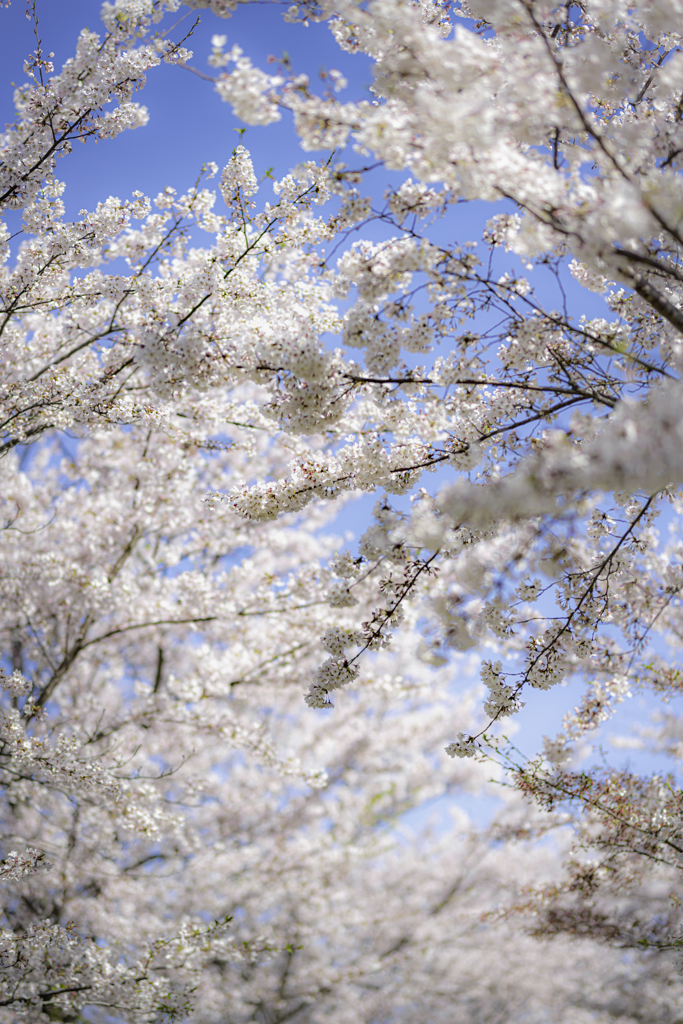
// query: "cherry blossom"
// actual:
[[194, 386]]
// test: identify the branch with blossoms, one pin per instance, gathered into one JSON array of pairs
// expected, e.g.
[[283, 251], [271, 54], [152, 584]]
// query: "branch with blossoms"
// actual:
[[339, 670], [55, 112], [632, 824]]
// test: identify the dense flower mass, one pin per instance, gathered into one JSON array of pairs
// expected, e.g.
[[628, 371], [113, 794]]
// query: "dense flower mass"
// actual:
[[193, 388]]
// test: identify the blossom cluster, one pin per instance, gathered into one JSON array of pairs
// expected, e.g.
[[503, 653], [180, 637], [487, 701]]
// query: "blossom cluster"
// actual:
[[195, 383]]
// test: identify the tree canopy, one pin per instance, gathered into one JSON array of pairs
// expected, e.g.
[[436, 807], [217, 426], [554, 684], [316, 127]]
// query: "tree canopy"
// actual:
[[194, 388]]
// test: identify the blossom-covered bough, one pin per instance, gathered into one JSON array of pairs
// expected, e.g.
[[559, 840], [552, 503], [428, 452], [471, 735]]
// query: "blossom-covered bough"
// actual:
[[183, 836]]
